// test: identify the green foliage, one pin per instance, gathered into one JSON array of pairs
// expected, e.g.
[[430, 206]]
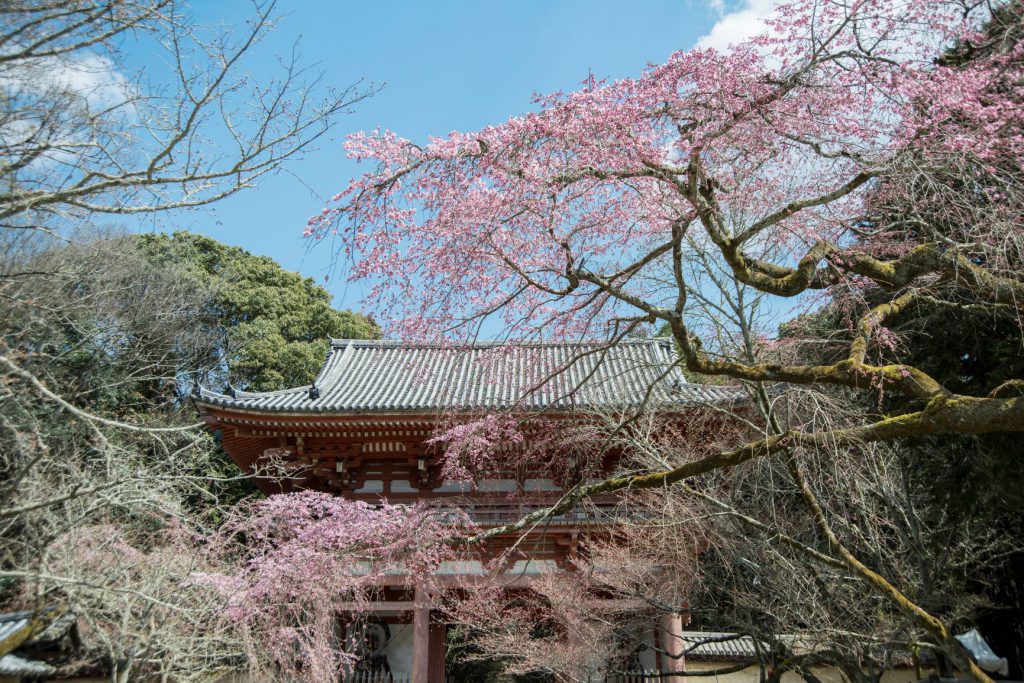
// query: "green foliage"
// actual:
[[107, 333], [959, 482], [273, 325]]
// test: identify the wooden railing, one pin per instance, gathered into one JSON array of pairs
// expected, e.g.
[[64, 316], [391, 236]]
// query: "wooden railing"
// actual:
[[493, 515], [382, 677], [645, 676]]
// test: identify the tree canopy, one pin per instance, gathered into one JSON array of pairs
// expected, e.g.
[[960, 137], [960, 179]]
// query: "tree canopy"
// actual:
[[850, 148], [859, 159], [106, 479], [274, 326]]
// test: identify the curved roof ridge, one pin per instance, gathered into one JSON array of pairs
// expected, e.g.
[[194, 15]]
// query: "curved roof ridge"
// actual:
[[367, 376], [241, 393], [337, 343]]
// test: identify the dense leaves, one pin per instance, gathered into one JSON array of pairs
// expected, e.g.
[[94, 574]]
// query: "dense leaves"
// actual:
[[120, 329], [272, 327]]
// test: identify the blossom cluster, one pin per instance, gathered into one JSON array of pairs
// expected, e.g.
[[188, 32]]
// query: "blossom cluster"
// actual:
[[296, 568], [554, 223]]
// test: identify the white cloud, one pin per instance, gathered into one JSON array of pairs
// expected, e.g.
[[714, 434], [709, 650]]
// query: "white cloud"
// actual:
[[74, 86], [92, 77], [738, 25]]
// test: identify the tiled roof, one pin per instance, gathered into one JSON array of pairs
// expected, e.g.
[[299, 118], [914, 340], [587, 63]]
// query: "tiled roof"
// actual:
[[362, 376], [12, 665], [55, 630], [23, 628], [719, 645], [15, 627]]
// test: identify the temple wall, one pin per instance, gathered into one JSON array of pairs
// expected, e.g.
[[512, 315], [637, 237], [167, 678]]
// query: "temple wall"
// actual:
[[752, 674], [648, 656], [399, 649], [399, 654]]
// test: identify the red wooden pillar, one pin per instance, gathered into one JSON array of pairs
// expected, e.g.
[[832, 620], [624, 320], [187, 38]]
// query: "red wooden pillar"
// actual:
[[421, 636], [670, 634], [437, 653]]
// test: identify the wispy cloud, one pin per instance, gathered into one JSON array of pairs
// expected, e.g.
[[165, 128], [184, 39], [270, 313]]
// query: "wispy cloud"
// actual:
[[76, 89], [737, 25], [91, 77]]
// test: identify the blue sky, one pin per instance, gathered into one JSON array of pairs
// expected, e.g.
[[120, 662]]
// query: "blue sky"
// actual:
[[446, 65]]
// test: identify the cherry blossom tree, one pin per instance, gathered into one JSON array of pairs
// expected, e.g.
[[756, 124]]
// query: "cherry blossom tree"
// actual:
[[138, 610], [775, 165], [295, 569]]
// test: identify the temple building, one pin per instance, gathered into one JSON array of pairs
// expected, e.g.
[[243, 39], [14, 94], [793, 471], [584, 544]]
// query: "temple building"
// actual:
[[361, 430]]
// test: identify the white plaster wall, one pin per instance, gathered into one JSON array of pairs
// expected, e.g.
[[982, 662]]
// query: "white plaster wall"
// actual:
[[752, 674], [371, 486], [399, 649], [540, 485], [461, 567], [648, 657], [497, 485], [454, 487], [533, 567]]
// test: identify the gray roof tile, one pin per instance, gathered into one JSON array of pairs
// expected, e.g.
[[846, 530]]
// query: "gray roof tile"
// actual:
[[12, 625], [12, 665], [718, 645], [363, 376]]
